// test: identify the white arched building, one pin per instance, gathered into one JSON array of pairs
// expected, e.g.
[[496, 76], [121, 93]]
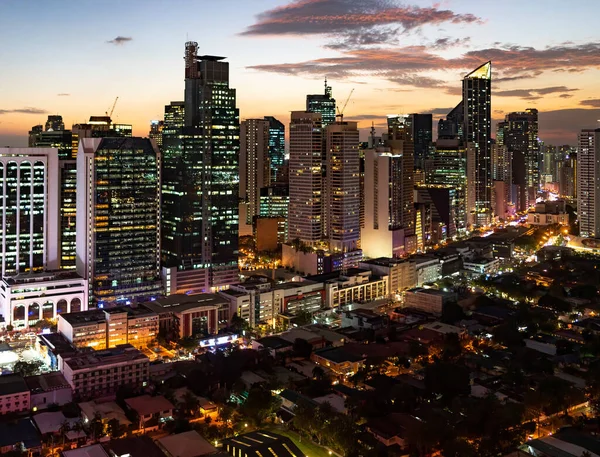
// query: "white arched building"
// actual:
[[27, 298]]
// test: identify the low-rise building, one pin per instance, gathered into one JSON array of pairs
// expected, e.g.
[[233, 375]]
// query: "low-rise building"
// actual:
[[549, 213], [183, 315], [274, 344], [481, 266], [186, 444], [14, 394], [28, 297], [428, 269], [363, 319], [21, 436], [153, 412], [54, 347], [341, 362], [354, 286], [401, 273], [49, 389], [107, 328], [103, 372], [428, 300], [105, 411]]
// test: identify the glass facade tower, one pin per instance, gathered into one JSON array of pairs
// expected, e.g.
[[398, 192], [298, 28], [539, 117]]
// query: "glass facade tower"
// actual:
[[201, 174], [276, 147], [324, 104]]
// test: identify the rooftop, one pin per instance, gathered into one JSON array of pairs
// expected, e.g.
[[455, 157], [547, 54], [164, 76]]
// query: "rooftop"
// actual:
[[180, 302], [186, 444], [12, 384], [107, 411], [146, 405], [436, 292], [135, 446], [46, 382], [274, 342], [51, 422], [338, 355], [385, 261], [95, 450], [22, 431], [57, 343], [118, 354], [99, 315], [52, 275]]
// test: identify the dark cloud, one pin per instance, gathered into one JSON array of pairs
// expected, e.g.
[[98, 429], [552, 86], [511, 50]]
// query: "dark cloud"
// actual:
[[63, 95], [562, 126], [365, 37], [331, 17], [509, 63], [364, 117], [120, 40], [566, 95], [27, 110], [592, 102], [534, 94], [447, 42], [439, 111]]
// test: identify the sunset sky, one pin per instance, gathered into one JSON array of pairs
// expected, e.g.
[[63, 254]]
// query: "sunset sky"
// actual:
[[74, 58]]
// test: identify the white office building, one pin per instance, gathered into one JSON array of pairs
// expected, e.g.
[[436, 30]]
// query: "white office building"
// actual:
[[588, 183]]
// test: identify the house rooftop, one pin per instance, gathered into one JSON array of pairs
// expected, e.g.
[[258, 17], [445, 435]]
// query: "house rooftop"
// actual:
[[12, 384], [21, 431], [145, 405], [338, 355], [46, 382], [119, 354], [135, 446], [186, 444], [95, 450], [178, 303], [274, 342]]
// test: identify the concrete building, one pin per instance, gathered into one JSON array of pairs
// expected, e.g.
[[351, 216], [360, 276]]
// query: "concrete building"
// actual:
[[481, 266], [14, 394], [428, 300], [389, 212], [27, 297], [310, 261], [401, 274], [363, 319], [477, 95], [153, 412], [341, 362], [118, 213], [428, 269], [30, 225], [306, 179], [189, 315], [186, 444], [101, 373], [108, 328], [49, 389], [353, 287], [549, 213], [588, 183], [274, 201], [254, 170], [255, 302], [341, 192]]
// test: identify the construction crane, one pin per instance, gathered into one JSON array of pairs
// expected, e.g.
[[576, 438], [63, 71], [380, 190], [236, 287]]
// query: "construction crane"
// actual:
[[340, 113], [113, 108]]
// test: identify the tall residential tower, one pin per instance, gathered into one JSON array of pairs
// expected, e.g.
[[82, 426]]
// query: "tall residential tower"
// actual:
[[588, 183]]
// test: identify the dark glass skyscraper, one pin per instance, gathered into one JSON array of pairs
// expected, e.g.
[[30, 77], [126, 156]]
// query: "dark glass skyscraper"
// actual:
[[201, 178], [324, 104], [477, 99], [276, 147], [421, 132], [118, 215]]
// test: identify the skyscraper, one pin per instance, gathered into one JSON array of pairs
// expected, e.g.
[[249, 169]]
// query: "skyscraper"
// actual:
[[588, 183], [201, 179], [155, 133], [342, 228], [477, 96], [306, 180], [324, 104], [55, 137], [29, 210], [118, 217], [519, 133], [254, 169], [276, 148], [422, 136]]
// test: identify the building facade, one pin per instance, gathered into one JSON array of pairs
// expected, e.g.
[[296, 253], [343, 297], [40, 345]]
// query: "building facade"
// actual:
[[588, 183], [323, 104], [276, 149], [118, 211], [477, 96], [255, 169], [101, 373], [27, 298], [306, 179], [342, 187], [14, 394], [200, 170], [29, 219]]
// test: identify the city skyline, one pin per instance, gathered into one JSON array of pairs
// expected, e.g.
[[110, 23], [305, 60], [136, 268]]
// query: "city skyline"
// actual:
[[398, 58]]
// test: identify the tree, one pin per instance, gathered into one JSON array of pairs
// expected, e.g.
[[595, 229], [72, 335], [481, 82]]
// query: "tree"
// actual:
[[189, 403], [451, 313], [115, 429], [318, 372], [447, 379], [28, 368], [260, 404], [452, 346], [96, 427], [302, 348], [188, 343]]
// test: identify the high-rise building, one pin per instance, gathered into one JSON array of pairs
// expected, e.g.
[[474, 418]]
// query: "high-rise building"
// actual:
[[422, 137], [276, 148], [567, 177], [155, 133], [588, 183], [477, 95], [274, 202], [342, 185], [519, 133], [448, 168], [306, 180], [101, 127], [502, 178], [118, 217], [29, 210], [324, 104], [201, 179], [453, 125], [67, 153], [254, 169], [55, 122]]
